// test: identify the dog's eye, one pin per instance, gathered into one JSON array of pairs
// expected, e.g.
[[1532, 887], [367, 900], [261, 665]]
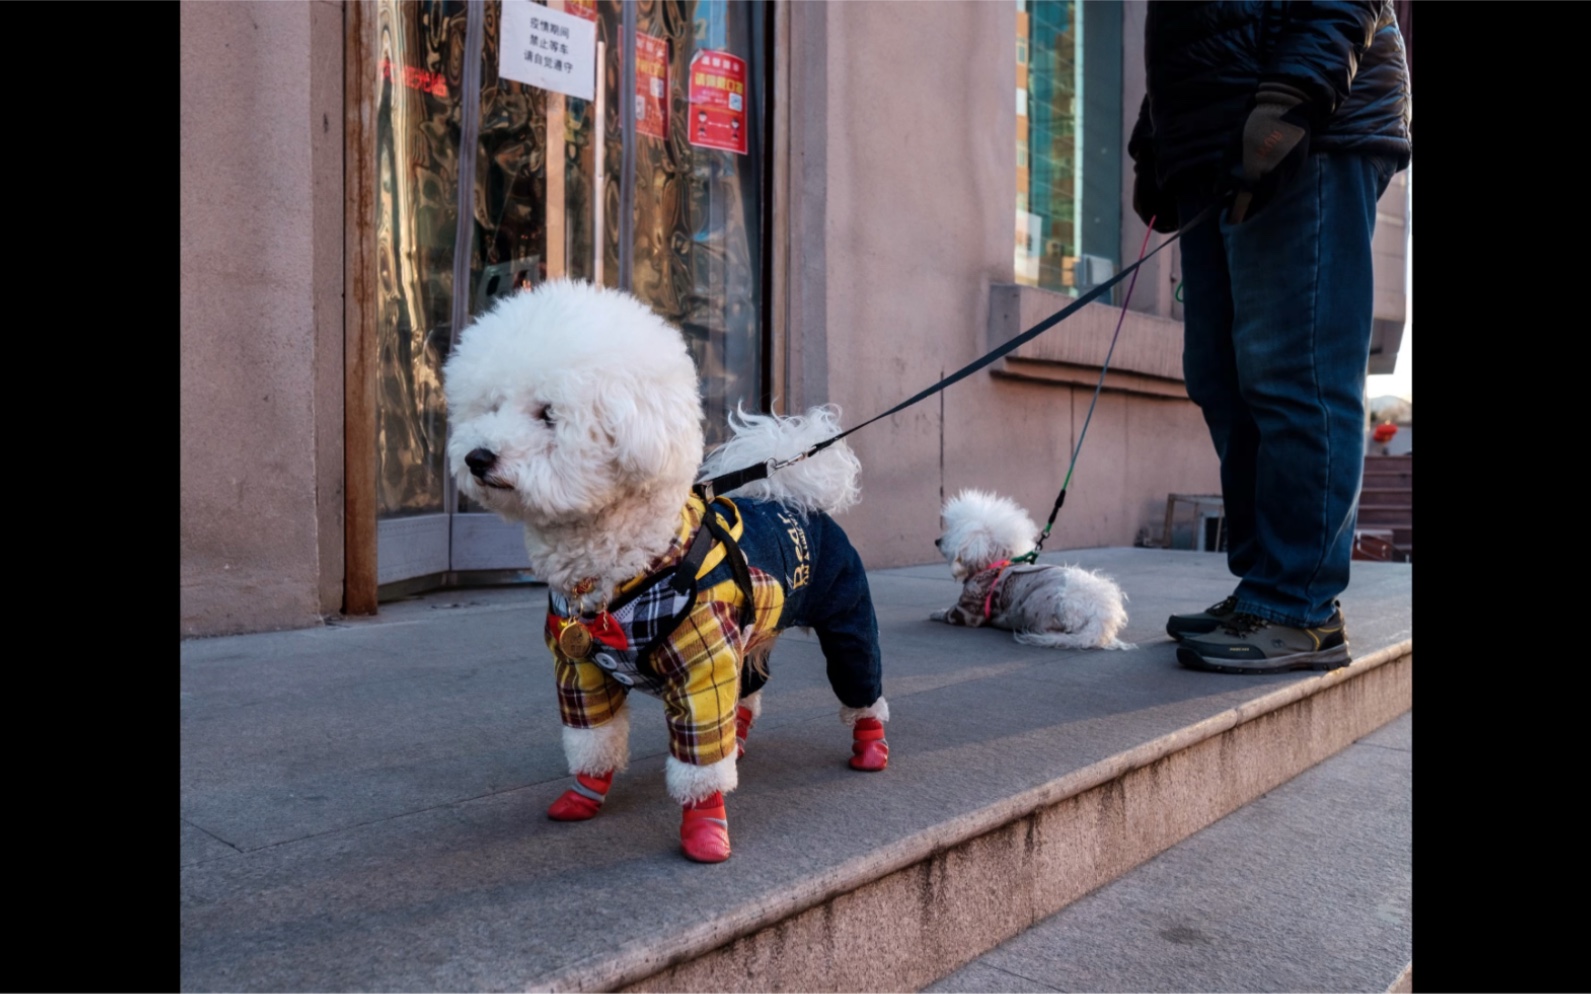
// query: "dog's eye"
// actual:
[[544, 414]]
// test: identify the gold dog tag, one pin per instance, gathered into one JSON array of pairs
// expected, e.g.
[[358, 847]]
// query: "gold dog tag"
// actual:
[[574, 640]]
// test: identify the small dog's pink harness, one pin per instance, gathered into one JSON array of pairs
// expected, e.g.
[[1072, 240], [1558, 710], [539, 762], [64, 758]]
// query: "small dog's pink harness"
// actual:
[[988, 601]]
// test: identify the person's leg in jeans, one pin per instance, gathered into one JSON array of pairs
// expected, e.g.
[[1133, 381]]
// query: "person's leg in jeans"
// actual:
[[1209, 367], [1282, 389], [1303, 291]]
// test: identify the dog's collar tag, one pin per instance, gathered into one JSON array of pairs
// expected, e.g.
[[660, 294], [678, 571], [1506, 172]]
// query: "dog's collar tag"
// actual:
[[574, 638]]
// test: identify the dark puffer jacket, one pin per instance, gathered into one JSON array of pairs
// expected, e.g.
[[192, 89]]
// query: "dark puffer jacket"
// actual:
[[1205, 60]]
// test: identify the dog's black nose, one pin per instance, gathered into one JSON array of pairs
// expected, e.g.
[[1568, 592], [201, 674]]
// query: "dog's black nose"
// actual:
[[480, 461], [936, 543]]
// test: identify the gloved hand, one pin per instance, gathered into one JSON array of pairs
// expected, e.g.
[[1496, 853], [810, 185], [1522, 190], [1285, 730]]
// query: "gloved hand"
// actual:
[[1150, 202], [1271, 149]]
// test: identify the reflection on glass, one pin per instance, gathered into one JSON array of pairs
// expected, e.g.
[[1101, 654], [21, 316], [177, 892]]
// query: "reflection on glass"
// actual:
[[1048, 46], [610, 26], [698, 211], [417, 140], [508, 241], [579, 151], [697, 251]]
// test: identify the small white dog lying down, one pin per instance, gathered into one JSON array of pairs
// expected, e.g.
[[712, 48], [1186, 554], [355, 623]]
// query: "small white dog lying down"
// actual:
[[1062, 607], [576, 412]]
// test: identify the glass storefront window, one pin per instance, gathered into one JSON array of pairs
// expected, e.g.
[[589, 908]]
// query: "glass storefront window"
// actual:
[[1068, 211], [698, 207], [674, 211], [696, 243], [417, 144]]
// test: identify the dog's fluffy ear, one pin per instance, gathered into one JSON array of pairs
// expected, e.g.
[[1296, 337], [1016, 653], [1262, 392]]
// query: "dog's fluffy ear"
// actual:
[[655, 426]]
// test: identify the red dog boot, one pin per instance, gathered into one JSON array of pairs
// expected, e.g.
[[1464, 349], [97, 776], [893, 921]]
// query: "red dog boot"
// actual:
[[744, 719], [583, 800], [869, 751], [704, 832]]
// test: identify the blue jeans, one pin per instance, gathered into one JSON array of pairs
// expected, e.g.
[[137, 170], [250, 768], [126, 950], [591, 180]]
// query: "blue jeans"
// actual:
[[1277, 323]]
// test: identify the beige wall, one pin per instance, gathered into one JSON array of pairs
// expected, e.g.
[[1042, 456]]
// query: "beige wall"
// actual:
[[261, 314], [902, 219], [900, 228], [1389, 249]]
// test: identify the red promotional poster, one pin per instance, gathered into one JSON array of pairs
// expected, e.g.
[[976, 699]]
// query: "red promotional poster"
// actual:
[[582, 8], [718, 101], [651, 86]]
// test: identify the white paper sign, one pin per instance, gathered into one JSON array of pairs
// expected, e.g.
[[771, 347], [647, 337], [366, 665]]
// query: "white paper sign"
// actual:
[[548, 49]]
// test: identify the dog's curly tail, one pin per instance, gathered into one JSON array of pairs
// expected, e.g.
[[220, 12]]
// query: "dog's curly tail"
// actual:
[[828, 481]]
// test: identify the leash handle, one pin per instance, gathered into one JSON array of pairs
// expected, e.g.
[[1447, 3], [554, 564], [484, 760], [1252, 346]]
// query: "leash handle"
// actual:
[[706, 489]]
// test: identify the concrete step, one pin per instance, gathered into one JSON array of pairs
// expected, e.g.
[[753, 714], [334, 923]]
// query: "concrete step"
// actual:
[[1384, 471], [362, 805], [1266, 899], [1385, 516], [1377, 496], [1389, 478]]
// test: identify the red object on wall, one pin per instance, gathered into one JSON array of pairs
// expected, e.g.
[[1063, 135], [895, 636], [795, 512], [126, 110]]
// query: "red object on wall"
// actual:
[[1383, 432], [718, 101], [651, 85]]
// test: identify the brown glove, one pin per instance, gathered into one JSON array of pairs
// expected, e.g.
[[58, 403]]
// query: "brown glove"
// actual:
[[1271, 149]]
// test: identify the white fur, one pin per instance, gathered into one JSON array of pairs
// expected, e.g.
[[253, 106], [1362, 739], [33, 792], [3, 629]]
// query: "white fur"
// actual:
[[688, 784], [594, 751], [590, 404], [982, 528], [1062, 607], [753, 703], [826, 481], [1072, 608], [878, 709], [598, 482], [588, 407]]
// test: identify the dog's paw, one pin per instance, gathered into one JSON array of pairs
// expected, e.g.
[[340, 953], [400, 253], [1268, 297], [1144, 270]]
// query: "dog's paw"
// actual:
[[943, 614]]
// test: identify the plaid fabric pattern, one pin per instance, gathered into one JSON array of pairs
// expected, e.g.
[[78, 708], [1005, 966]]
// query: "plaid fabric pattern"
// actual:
[[701, 662], [697, 668], [635, 625]]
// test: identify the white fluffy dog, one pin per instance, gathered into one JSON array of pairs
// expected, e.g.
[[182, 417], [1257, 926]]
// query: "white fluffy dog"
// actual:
[[1062, 607], [575, 411]]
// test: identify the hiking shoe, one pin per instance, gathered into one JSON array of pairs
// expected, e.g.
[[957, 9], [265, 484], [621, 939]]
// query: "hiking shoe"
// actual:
[[1203, 623], [1246, 643]]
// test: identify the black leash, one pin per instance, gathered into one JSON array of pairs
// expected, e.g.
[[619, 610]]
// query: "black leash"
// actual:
[[726, 482], [1032, 556]]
